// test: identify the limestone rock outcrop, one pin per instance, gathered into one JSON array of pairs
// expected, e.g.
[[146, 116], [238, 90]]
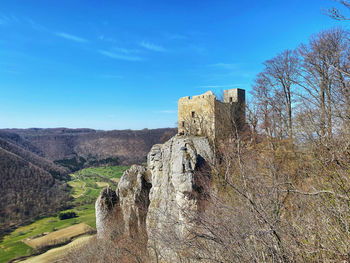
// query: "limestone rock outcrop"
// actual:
[[153, 200], [133, 191], [105, 207], [175, 189], [124, 211]]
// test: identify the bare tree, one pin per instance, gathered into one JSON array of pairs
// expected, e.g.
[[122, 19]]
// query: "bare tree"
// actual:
[[320, 57], [282, 71], [337, 14], [262, 99], [270, 106]]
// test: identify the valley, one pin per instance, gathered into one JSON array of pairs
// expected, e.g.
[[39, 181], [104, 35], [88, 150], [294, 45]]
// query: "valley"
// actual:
[[35, 165], [50, 235]]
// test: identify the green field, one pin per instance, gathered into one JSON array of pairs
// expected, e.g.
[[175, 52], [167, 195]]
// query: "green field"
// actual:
[[85, 190]]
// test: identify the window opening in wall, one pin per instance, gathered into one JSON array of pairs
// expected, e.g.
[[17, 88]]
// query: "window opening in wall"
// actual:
[[183, 124], [230, 99], [193, 114]]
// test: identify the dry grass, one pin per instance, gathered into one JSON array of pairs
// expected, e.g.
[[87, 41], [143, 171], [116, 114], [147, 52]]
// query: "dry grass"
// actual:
[[102, 184], [55, 254], [79, 188], [58, 237], [115, 180]]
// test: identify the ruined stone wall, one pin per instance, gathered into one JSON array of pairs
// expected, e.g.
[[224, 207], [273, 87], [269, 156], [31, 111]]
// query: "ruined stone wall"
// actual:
[[224, 114], [196, 115], [204, 115]]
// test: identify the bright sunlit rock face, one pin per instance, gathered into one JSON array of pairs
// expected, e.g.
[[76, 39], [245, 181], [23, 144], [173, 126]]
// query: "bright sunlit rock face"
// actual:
[[152, 201], [173, 170]]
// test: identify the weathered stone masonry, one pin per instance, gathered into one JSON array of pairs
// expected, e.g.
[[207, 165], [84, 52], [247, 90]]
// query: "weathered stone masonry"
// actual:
[[205, 115]]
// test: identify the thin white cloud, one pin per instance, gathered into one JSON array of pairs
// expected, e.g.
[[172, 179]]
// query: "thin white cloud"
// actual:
[[71, 37], [106, 39], [3, 21], [167, 111], [9, 19], [152, 46], [231, 70], [15, 19], [197, 48], [110, 76], [125, 50], [35, 25], [224, 65], [10, 71], [219, 86], [175, 36], [119, 56]]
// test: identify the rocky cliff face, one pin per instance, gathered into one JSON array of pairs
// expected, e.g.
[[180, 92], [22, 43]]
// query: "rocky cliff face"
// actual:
[[153, 201]]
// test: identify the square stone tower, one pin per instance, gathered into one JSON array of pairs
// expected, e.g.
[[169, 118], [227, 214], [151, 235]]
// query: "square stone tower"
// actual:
[[236, 97], [205, 115]]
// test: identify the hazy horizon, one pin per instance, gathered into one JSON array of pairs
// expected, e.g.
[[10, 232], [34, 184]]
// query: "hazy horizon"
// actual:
[[87, 128]]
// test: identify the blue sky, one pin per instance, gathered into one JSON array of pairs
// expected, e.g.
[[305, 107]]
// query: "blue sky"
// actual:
[[123, 64]]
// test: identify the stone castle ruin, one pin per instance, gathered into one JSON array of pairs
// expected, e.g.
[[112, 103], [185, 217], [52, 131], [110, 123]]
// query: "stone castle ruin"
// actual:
[[205, 115], [159, 200]]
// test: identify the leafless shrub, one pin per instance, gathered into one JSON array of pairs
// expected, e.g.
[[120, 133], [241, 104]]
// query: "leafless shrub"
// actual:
[[116, 246]]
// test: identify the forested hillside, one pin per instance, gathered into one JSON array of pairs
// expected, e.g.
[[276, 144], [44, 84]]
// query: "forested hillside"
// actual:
[[79, 148], [35, 164], [27, 190]]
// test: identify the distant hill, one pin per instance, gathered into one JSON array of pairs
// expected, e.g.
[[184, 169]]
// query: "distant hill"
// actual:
[[34, 164], [15, 144], [79, 148]]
